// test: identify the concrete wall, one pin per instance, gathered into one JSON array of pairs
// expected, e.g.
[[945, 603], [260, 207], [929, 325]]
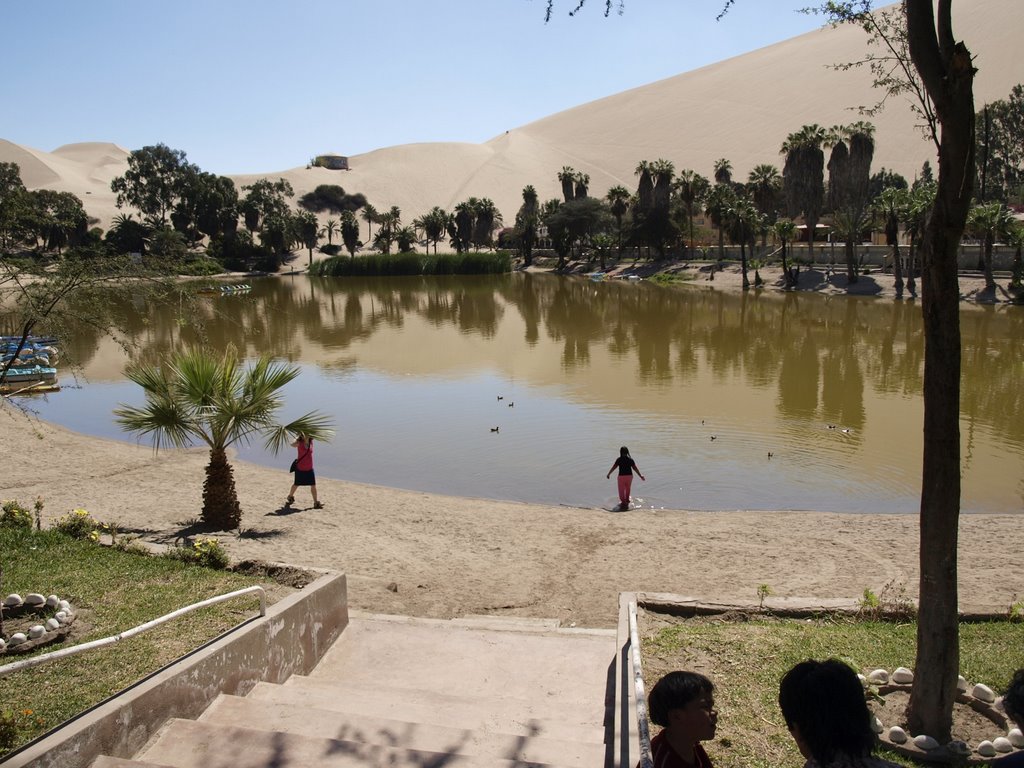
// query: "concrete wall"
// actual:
[[290, 639]]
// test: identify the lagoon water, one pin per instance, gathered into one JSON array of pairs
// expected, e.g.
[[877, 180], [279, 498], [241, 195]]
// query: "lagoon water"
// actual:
[[701, 385]]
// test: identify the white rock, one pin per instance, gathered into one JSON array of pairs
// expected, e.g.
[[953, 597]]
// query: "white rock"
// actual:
[[879, 676], [876, 725], [1002, 744], [3, 644], [35, 600], [986, 749], [1016, 738], [13, 600], [17, 639], [52, 625], [897, 735], [64, 605], [61, 616], [902, 675], [37, 631], [983, 693], [863, 680], [961, 683], [51, 601], [925, 742]]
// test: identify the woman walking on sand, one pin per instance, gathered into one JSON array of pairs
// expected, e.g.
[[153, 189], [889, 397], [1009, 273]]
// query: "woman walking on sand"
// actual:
[[626, 466], [303, 469]]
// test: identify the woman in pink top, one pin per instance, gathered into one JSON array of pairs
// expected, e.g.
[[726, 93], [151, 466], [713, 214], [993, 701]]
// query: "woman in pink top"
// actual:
[[304, 474]]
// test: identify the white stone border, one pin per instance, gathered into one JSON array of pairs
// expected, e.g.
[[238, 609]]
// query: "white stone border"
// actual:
[[64, 616]]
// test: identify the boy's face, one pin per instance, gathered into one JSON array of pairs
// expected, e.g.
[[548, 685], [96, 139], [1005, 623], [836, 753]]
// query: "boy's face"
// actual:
[[697, 720]]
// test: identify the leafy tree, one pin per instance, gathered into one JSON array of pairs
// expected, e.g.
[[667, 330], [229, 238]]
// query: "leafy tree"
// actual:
[[203, 395], [405, 237], [925, 59], [784, 230], [55, 218], [989, 222], [12, 192], [370, 216], [126, 235], [266, 200], [885, 179], [309, 231], [572, 224], [331, 197], [216, 206], [434, 225], [765, 185], [1016, 240], [849, 169], [1000, 132], [155, 180]]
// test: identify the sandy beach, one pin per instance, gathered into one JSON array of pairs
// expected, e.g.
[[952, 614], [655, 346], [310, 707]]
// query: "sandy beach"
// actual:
[[437, 556]]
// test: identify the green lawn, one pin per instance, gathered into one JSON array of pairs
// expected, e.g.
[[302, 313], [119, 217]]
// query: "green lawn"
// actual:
[[747, 658], [110, 591]]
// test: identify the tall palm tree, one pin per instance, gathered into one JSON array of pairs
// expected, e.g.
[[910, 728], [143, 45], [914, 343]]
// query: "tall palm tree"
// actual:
[[433, 223], [487, 218], [1015, 238], [350, 232], [764, 182], [582, 182], [890, 206], [567, 178], [743, 220], [370, 216], [989, 222], [664, 172], [717, 204], [803, 177], [691, 188], [618, 203], [527, 219], [645, 189], [200, 395], [723, 171], [784, 230], [331, 229]]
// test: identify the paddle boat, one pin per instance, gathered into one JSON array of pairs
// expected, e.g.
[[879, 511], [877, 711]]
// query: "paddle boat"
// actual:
[[26, 380]]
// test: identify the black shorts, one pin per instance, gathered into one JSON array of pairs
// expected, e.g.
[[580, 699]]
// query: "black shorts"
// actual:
[[305, 477]]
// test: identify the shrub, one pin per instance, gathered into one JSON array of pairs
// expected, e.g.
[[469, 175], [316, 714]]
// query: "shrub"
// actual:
[[15, 516], [79, 524], [12, 724], [330, 250], [201, 267], [205, 552]]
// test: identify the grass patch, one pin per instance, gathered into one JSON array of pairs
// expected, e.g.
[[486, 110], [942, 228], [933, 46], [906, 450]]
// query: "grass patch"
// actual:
[[110, 591], [399, 264], [672, 278], [747, 658]]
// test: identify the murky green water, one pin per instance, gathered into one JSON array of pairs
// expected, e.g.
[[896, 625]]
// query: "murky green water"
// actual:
[[701, 385]]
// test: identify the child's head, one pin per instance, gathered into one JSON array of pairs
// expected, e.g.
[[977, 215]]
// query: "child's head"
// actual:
[[684, 701], [623, 451], [825, 710], [1013, 699]]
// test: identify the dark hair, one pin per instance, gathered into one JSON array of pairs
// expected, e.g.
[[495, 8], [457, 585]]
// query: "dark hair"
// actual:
[[825, 699], [674, 691], [1013, 699], [623, 451]]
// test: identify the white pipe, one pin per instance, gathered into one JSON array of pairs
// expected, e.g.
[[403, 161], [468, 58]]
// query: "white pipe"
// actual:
[[76, 649]]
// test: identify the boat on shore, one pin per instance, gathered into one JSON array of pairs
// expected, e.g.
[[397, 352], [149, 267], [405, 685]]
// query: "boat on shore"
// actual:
[[30, 379]]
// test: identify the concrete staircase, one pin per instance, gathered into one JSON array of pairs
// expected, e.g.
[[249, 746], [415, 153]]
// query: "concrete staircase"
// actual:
[[396, 692]]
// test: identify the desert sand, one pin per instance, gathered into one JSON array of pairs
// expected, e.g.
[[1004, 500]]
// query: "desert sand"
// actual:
[[427, 555]]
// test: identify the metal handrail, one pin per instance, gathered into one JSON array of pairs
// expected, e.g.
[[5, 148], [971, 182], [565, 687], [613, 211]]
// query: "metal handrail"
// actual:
[[76, 649], [641, 698]]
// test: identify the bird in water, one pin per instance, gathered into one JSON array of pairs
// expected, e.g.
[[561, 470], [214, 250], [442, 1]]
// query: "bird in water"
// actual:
[[511, 405], [500, 397], [714, 437], [770, 454], [495, 429]]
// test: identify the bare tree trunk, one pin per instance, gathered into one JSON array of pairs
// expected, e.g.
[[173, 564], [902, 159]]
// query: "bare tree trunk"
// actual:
[[948, 75]]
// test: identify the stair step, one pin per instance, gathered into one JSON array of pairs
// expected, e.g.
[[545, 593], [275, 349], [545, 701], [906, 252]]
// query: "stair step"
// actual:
[[506, 623], [188, 744], [432, 655], [319, 723], [540, 717], [106, 761]]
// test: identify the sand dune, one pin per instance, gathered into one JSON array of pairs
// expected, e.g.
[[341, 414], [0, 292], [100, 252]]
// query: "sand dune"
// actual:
[[741, 109]]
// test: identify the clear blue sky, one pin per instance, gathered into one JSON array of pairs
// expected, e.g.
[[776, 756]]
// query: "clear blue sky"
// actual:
[[248, 86]]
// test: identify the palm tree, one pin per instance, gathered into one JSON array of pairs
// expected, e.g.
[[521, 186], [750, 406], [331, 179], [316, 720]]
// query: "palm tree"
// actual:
[[487, 218], [350, 232], [890, 206], [849, 180], [433, 223], [764, 182], [567, 178], [200, 395], [723, 171], [405, 237], [370, 216], [784, 231], [803, 177], [917, 211], [989, 222], [742, 220], [582, 182], [691, 188], [618, 203], [1015, 237], [717, 204], [527, 219], [331, 229]]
